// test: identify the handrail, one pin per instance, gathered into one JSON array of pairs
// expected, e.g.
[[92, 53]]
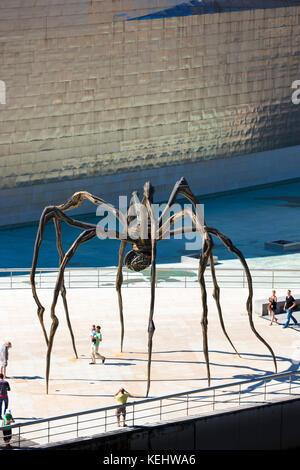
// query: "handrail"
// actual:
[[162, 397], [186, 397], [165, 276]]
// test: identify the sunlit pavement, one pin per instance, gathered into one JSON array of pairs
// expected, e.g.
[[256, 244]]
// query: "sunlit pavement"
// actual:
[[178, 361]]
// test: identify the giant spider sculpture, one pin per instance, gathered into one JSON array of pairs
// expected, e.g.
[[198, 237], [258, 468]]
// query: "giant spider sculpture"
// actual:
[[143, 231]]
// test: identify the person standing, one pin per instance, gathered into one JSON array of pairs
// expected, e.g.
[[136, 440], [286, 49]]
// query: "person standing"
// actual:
[[4, 388], [289, 305], [4, 357], [121, 396], [272, 307], [7, 433], [96, 339]]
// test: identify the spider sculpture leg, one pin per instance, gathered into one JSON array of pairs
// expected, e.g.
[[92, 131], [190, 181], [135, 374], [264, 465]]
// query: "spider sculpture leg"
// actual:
[[205, 255], [147, 201], [182, 187], [165, 229], [83, 237], [119, 281], [48, 214], [63, 292], [216, 296], [228, 243]]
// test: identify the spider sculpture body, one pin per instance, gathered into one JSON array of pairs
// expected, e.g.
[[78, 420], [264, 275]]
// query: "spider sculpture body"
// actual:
[[142, 231]]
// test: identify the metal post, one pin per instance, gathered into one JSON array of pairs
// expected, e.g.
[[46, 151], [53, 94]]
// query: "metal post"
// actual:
[[265, 394], [272, 279], [48, 432], [133, 415], [160, 409], [239, 394], [290, 388], [77, 422], [105, 423], [187, 405], [214, 397], [10, 279]]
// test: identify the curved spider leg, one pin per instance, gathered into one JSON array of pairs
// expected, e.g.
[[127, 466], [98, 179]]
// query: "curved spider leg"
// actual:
[[216, 296], [82, 238], [63, 291], [119, 282], [151, 326], [207, 245], [147, 201], [48, 213], [229, 245]]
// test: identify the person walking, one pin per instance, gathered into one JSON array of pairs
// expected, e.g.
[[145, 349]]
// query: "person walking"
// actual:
[[289, 305], [121, 396], [4, 388], [7, 433], [96, 338], [4, 357], [272, 307]]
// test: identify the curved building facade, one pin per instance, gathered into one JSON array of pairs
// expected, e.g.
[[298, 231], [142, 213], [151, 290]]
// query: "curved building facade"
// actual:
[[102, 94]]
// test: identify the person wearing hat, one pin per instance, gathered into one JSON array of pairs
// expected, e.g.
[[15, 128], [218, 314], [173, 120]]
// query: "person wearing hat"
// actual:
[[7, 433]]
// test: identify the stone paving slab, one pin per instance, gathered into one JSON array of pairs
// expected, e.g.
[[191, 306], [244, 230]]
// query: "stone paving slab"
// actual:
[[178, 362]]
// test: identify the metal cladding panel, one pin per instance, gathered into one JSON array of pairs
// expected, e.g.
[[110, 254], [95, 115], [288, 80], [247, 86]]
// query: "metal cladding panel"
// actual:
[[202, 7], [89, 93]]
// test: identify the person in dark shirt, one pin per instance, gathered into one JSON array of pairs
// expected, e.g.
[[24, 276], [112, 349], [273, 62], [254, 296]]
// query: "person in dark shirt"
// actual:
[[4, 388], [289, 305]]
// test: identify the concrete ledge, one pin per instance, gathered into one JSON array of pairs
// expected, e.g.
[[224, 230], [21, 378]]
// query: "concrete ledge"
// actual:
[[260, 305]]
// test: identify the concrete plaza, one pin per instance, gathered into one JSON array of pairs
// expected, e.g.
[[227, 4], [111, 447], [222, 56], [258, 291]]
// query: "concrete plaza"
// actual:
[[178, 361]]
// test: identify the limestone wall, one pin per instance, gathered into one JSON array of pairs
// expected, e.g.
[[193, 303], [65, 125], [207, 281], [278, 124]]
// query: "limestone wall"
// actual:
[[90, 94]]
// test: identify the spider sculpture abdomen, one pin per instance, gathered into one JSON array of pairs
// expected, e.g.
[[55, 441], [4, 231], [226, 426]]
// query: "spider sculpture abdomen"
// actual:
[[137, 260]]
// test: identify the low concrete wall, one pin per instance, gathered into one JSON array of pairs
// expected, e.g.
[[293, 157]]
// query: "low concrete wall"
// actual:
[[270, 426], [26, 203]]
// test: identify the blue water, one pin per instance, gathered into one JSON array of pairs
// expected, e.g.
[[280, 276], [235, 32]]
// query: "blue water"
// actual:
[[249, 218]]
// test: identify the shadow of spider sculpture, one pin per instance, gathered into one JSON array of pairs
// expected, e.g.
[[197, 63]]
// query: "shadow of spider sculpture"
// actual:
[[143, 231]]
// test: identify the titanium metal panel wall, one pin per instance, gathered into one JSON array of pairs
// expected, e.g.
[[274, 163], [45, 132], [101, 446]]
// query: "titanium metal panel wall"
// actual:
[[90, 93]]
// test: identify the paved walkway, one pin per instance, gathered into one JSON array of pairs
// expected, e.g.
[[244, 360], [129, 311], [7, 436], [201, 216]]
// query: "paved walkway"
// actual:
[[178, 362]]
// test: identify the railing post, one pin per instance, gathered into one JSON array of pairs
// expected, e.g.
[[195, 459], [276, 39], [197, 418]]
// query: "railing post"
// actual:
[[19, 438], [239, 394], [133, 415], [77, 427], [265, 394], [272, 279], [187, 404], [214, 398], [48, 432], [290, 387], [160, 409], [105, 423]]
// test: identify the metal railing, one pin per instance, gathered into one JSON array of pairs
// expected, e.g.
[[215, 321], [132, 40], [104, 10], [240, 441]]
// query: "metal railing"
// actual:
[[262, 389], [19, 278]]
